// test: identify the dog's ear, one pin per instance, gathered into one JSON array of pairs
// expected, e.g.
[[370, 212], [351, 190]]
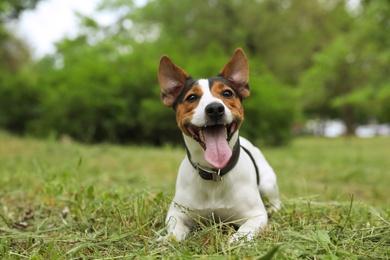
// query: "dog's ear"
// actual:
[[237, 72], [171, 79]]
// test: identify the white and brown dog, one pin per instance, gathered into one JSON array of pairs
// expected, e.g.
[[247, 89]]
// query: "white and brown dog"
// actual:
[[223, 176]]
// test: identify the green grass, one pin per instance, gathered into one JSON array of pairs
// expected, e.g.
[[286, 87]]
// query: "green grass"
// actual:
[[62, 200]]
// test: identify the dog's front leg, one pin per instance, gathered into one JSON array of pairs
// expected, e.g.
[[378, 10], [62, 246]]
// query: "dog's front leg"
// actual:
[[178, 222], [250, 228]]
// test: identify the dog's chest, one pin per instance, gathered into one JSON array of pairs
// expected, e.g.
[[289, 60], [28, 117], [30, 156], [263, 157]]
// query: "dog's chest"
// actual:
[[220, 200], [218, 205]]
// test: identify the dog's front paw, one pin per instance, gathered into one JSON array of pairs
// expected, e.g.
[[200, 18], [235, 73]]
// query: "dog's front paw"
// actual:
[[163, 239], [240, 237], [167, 238], [273, 207]]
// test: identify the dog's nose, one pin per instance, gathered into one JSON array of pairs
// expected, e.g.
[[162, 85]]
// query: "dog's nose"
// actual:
[[215, 110]]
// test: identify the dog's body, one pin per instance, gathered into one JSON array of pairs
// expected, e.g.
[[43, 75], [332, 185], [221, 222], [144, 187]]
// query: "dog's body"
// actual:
[[223, 174]]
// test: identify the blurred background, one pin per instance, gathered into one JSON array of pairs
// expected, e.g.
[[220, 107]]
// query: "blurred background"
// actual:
[[87, 70]]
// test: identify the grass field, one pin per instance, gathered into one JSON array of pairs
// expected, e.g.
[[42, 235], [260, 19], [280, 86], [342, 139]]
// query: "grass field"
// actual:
[[62, 200]]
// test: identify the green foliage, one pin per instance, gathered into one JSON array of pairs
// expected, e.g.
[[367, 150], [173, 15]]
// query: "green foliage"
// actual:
[[348, 78], [94, 97], [11, 9], [384, 99], [19, 96], [19, 101], [269, 111], [283, 34], [307, 58], [106, 89], [13, 51]]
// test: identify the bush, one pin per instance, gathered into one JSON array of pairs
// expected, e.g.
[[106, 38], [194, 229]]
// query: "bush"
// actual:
[[98, 95], [19, 99], [269, 111]]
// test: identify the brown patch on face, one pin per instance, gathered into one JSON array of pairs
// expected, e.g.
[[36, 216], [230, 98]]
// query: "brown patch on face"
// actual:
[[185, 108], [220, 90]]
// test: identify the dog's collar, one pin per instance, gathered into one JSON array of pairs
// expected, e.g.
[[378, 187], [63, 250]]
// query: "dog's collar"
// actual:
[[217, 174]]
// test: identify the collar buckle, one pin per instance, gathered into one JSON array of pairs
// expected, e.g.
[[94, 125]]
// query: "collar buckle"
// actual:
[[217, 175]]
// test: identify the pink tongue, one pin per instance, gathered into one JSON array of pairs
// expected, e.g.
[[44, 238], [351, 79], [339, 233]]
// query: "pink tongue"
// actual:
[[217, 151]]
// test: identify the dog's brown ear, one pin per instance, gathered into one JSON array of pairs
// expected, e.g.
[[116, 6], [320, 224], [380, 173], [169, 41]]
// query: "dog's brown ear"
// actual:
[[171, 79], [237, 72]]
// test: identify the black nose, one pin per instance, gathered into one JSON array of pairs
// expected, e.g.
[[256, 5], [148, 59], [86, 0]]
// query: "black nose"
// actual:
[[215, 110]]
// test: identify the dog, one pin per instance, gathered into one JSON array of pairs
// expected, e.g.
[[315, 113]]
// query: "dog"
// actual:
[[223, 176]]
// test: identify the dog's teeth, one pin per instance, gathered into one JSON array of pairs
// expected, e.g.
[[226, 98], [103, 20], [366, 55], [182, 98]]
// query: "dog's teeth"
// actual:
[[201, 136]]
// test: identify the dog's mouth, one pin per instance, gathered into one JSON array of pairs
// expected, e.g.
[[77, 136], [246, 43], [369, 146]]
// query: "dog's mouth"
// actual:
[[214, 140], [225, 131]]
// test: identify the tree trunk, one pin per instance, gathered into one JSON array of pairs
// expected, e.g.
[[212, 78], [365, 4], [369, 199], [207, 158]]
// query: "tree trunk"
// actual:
[[348, 119]]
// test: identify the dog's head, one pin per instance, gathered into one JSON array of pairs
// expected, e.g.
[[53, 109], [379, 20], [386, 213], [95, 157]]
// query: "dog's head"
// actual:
[[207, 110]]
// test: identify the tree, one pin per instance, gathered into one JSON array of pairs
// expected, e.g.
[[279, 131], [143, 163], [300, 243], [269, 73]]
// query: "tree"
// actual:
[[283, 34], [349, 78], [11, 9], [102, 84], [13, 51], [115, 71], [18, 95]]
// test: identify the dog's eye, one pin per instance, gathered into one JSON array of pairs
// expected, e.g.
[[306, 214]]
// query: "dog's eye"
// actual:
[[227, 93], [192, 98]]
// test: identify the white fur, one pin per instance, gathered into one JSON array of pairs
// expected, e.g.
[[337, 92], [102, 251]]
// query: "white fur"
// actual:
[[235, 199]]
